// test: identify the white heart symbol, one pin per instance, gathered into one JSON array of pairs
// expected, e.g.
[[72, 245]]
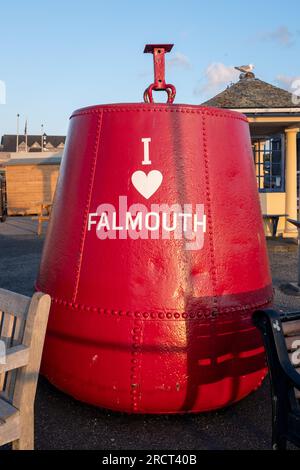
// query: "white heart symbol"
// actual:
[[146, 185]]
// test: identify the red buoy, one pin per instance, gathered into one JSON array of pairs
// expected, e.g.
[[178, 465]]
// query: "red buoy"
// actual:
[[155, 258]]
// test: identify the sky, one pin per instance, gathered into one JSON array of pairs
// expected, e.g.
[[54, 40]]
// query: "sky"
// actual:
[[57, 56]]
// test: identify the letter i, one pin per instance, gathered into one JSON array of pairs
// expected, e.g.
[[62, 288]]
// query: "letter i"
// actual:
[[146, 141]]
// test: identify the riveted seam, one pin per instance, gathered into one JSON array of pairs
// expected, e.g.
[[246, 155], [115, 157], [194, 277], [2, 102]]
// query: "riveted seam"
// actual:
[[174, 110], [87, 207], [168, 314], [135, 364], [209, 215]]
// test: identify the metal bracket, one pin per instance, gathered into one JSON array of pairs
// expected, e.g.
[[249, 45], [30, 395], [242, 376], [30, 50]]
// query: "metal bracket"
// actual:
[[159, 84]]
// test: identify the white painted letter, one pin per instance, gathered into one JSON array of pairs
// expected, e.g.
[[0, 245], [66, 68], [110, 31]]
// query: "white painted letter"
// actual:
[[146, 141], [90, 221], [147, 221]]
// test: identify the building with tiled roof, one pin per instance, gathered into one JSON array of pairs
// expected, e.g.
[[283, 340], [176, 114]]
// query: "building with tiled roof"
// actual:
[[252, 93], [35, 143]]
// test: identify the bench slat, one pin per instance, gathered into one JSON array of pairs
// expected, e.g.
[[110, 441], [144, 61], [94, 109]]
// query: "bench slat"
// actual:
[[9, 423], [291, 328], [293, 343], [17, 340], [6, 336], [16, 304], [6, 411], [17, 356]]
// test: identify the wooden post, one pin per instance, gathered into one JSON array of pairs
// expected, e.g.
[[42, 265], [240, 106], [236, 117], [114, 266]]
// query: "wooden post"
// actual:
[[25, 388]]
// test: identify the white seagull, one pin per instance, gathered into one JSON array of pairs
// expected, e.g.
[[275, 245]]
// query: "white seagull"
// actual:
[[245, 68]]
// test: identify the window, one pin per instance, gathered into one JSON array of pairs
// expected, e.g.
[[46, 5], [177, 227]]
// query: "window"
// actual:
[[268, 155]]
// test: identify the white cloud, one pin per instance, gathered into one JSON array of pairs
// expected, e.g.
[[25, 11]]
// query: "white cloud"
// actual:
[[284, 81], [292, 84], [282, 35], [216, 75], [179, 60], [287, 82]]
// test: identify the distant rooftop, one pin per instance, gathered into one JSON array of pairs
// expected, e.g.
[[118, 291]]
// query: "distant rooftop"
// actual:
[[37, 159], [250, 92], [51, 143]]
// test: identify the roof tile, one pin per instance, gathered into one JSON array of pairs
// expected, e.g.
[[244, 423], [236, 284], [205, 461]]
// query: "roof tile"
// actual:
[[252, 93]]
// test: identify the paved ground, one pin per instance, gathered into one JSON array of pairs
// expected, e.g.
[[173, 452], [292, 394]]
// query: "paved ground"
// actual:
[[63, 423]]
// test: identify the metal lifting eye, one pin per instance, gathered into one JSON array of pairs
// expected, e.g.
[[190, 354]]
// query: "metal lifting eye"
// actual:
[[159, 84]]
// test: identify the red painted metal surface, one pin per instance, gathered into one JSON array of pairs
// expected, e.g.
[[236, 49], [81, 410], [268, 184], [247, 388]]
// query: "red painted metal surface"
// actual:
[[155, 259], [146, 325]]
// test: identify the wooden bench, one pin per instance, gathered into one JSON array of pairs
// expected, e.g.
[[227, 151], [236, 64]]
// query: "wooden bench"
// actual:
[[274, 218], [43, 215], [23, 323], [281, 336]]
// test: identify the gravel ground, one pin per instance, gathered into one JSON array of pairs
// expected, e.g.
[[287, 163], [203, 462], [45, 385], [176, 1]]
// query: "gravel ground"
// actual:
[[63, 423]]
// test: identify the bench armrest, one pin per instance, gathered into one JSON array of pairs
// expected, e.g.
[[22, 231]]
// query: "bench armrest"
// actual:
[[269, 323]]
